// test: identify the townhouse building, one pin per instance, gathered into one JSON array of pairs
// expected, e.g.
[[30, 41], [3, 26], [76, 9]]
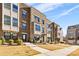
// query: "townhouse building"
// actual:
[[56, 33], [38, 19], [24, 18], [60, 34], [73, 34], [48, 31], [54, 28], [25, 22], [9, 20], [32, 23]]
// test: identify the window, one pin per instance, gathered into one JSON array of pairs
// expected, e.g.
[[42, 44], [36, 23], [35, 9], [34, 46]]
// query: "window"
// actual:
[[32, 23], [15, 22], [37, 27], [24, 14], [49, 30], [24, 26], [42, 29], [14, 36], [7, 5], [7, 35], [37, 18], [7, 20], [60, 28], [42, 21], [15, 8], [47, 25]]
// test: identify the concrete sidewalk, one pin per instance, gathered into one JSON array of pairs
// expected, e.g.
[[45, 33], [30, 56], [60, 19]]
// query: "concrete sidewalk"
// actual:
[[37, 48], [59, 52]]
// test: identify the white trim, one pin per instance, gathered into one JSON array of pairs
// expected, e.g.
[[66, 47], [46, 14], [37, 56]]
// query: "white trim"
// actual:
[[11, 16], [37, 32], [4, 27], [16, 29], [18, 17], [2, 15]]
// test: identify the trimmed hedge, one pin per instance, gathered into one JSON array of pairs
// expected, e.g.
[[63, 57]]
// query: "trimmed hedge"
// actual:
[[31, 40], [7, 40], [11, 41], [15, 41], [3, 41], [0, 42], [18, 41]]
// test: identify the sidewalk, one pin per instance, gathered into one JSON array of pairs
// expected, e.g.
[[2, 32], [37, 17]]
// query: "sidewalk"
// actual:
[[37, 48], [59, 52]]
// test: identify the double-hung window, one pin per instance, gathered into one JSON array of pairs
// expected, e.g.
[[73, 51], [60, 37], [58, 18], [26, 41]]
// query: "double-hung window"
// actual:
[[47, 25], [42, 29], [37, 18], [37, 27], [7, 5], [42, 21], [24, 26], [7, 20], [24, 14], [15, 22], [15, 8]]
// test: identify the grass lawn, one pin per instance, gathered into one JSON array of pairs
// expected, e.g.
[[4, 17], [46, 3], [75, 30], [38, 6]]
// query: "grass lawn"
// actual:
[[17, 51], [74, 53], [53, 46]]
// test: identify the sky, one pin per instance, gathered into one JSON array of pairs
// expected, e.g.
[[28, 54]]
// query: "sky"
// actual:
[[64, 14]]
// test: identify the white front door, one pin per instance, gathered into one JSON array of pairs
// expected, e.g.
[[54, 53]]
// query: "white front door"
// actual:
[[24, 37]]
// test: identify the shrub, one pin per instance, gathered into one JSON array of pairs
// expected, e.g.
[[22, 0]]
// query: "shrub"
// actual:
[[0, 41], [3, 41], [15, 40], [51, 42], [40, 41], [11, 41], [19, 42], [34, 41], [7, 40], [31, 40]]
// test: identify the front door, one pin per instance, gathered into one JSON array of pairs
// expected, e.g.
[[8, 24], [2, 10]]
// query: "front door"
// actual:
[[24, 37], [43, 38]]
